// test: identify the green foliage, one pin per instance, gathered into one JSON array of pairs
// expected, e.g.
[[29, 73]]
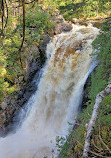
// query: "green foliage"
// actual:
[[38, 24], [3, 84], [7, 72], [102, 75], [98, 83], [105, 111], [81, 9], [102, 132]]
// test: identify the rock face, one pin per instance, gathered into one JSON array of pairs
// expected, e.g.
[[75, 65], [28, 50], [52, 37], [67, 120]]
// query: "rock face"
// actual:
[[63, 27], [95, 22], [11, 106], [42, 47], [86, 94], [80, 22], [61, 24], [33, 64]]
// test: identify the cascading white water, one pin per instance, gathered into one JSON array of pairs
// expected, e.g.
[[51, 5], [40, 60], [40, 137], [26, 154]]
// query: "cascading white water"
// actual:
[[58, 97]]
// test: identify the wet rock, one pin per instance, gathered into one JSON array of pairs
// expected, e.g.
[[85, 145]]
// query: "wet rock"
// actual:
[[57, 18], [11, 106], [33, 63], [75, 20], [95, 22], [34, 67], [86, 99], [63, 27], [2, 120], [61, 24], [84, 23], [4, 105], [80, 22], [42, 47]]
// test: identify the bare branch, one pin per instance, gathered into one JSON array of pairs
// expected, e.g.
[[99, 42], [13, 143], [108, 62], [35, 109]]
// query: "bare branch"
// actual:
[[96, 154], [103, 141], [20, 49], [2, 8]]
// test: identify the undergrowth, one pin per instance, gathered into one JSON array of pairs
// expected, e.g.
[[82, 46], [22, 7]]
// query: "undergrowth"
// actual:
[[81, 9], [12, 74]]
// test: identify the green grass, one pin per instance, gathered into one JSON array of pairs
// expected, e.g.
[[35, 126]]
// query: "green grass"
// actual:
[[102, 75]]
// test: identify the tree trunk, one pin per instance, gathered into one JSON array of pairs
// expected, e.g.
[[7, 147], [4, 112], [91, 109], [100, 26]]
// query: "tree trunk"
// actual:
[[6, 14], [93, 119], [2, 8], [20, 49]]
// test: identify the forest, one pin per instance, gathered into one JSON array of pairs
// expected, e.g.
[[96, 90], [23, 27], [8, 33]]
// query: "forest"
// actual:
[[26, 27]]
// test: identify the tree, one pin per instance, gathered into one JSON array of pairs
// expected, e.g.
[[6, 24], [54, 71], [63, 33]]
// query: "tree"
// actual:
[[20, 49], [2, 15]]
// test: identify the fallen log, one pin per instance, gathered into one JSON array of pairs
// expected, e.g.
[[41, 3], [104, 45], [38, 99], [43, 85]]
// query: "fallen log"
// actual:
[[93, 119]]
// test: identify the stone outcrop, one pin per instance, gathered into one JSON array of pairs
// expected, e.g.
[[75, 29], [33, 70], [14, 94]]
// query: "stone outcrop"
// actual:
[[63, 27], [11, 106], [61, 24]]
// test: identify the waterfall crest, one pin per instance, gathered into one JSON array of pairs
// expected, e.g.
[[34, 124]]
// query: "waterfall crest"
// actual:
[[58, 96]]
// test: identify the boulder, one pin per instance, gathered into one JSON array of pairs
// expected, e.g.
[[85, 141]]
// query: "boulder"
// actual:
[[4, 105], [63, 27], [43, 44], [75, 20]]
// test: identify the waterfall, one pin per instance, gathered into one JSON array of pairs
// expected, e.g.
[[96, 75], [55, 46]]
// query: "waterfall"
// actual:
[[58, 97]]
